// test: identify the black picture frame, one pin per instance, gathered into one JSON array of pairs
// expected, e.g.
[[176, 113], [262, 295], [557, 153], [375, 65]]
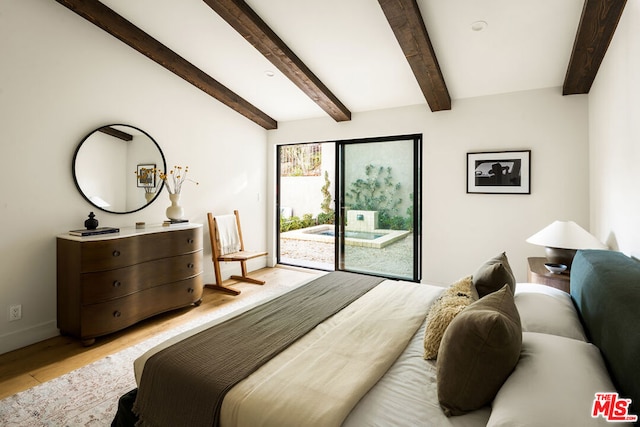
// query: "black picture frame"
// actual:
[[499, 172], [145, 175]]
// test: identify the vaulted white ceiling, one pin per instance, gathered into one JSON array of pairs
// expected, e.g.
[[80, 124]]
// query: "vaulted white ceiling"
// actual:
[[350, 46]]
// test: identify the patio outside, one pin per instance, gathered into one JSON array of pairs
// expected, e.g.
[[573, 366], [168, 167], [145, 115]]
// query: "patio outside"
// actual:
[[390, 260], [382, 240]]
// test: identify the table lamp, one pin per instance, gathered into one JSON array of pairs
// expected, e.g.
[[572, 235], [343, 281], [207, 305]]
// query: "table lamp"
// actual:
[[562, 239]]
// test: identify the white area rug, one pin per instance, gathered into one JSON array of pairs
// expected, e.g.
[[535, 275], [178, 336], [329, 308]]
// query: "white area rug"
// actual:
[[89, 396]]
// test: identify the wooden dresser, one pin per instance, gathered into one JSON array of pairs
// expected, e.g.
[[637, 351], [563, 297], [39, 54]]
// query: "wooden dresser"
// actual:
[[109, 282]]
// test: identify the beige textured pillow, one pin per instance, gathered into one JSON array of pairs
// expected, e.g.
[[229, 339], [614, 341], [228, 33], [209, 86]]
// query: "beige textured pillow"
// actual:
[[452, 301], [479, 350], [493, 275]]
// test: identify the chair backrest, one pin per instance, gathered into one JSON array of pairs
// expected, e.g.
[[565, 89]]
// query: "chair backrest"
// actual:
[[225, 233]]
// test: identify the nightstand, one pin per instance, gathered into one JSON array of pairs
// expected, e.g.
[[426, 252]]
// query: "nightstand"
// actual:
[[538, 273]]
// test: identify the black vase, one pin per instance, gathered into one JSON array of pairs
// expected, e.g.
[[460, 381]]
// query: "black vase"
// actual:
[[92, 222]]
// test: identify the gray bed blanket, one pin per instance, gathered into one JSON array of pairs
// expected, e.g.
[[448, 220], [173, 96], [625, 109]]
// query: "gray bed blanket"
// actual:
[[185, 384]]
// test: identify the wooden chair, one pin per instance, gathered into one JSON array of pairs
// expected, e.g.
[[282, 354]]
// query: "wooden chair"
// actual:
[[227, 246]]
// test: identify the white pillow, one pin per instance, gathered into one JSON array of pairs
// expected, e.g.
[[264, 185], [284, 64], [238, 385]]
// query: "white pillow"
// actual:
[[547, 310], [553, 384]]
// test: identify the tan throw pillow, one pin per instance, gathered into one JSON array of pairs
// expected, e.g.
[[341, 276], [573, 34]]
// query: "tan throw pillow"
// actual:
[[479, 350], [452, 301], [493, 275]]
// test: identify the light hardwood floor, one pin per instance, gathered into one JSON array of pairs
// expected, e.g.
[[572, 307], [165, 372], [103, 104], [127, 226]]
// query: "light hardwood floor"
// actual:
[[29, 366]]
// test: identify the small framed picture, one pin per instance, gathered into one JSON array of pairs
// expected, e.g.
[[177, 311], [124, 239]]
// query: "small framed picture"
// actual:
[[499, 172], [146, 175]]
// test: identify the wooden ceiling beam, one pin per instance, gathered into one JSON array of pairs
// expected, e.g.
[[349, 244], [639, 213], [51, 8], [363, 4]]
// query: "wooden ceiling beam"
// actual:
[[114, 24], [247, 22], [116, 133], [597, 26], [409, 28]]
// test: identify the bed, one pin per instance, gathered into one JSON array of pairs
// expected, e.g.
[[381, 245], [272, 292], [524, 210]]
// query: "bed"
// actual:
[[363, 364]]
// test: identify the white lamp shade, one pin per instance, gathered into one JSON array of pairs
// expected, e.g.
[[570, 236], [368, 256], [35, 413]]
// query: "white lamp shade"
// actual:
[[566, 235]]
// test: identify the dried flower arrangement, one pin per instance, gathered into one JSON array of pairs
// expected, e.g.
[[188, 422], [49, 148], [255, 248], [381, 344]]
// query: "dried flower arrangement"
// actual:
[[176, 177], [174, 180]]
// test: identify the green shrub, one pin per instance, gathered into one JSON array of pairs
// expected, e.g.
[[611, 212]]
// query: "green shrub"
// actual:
[[327, 218], [295, 223], [378, 192]]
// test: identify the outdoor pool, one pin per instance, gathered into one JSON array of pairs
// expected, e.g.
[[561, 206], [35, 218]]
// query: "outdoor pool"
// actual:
[[326, 233], [351, 234]]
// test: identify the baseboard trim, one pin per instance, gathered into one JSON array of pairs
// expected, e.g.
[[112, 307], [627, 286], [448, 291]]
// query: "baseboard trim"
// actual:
[[27, 336]]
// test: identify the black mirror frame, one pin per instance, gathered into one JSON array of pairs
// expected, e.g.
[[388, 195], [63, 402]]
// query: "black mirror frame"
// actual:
[[75, 179]]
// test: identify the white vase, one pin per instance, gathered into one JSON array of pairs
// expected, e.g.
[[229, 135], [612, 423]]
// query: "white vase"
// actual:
[[175, 211]]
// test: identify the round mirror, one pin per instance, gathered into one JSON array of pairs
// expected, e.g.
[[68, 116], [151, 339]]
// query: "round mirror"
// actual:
[[113, 168]]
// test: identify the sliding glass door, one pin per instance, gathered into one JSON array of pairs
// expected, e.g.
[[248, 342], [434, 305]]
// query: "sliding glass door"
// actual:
[[305, 200], [351, 205], [378, 222]]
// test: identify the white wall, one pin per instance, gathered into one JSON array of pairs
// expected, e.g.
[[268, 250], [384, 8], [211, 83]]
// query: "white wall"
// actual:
[[614, 134], [60, 78], [460, 230]]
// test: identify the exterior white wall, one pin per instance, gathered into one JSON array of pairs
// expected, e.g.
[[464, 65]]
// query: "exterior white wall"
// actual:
[[614, 137], [303, 194], [396, 155], [61, 77], [460, 230]]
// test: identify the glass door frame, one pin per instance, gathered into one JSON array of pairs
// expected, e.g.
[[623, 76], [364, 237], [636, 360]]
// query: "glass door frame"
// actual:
[[278, 212], [340, 186], [339, 202]]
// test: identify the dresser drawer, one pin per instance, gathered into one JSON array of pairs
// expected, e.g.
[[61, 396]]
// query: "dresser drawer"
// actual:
[[111, 284], [115, 253], [107, 283], [110, 316]]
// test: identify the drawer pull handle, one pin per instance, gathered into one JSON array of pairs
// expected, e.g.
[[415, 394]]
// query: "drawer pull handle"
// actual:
[[117, 314], [190, 241], [116, 283], [116, 253], [190, 265], [190, 290]]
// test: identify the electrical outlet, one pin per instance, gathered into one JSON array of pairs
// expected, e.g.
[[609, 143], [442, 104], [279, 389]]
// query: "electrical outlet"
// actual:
[[15, 312]]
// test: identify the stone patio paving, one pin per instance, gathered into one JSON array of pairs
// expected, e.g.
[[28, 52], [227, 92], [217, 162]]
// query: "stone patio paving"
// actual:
[[394, 259]]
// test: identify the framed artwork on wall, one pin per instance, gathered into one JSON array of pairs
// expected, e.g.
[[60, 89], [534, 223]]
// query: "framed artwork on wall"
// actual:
[[499, 172], [146, 175]]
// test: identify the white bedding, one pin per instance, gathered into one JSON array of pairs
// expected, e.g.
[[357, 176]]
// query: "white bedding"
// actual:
[[321, 377], [138, 364], [404, 396], [547, 387]]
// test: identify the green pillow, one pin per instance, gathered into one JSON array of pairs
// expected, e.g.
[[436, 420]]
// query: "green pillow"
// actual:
[[478, 352], [452, 301], [493, 275]]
